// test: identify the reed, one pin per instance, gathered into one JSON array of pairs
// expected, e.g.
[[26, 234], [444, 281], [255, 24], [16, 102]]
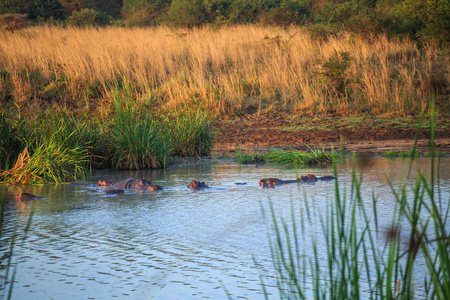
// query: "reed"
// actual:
[[190, 133], [136, 137], [298, 158], [352, 259], [226, 70]]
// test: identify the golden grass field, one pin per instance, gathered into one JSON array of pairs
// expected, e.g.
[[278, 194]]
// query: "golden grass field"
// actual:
[[226, 70]]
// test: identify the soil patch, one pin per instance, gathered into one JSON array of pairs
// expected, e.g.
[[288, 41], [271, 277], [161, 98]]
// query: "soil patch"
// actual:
[[362, 134]]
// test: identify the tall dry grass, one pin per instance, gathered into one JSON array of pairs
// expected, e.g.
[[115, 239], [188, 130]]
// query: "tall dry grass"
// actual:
[[226, 70]]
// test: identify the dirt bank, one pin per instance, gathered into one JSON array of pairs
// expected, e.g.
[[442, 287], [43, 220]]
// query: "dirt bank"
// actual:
[[365, 134]]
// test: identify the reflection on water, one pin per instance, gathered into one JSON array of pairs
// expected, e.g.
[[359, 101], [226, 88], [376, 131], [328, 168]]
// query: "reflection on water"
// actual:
[[176, 243]]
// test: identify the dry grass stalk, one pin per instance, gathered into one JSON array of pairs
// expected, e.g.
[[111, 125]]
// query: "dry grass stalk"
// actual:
[[229, 68], [18, 170]]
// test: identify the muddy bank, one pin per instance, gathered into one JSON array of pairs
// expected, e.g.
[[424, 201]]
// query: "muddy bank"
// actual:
[[361, 135]]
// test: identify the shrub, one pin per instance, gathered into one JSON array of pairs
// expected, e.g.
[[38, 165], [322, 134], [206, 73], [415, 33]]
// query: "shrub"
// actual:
[[185, 13], [36, 9], [87, 17], [287, 13], [13, 22], [335, 72]]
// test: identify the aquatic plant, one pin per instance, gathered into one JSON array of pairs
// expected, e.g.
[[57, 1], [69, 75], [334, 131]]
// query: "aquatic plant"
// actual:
[[190, 133], [136, 138], [49, 159], [410, 153], [298, 158], [352, 259]]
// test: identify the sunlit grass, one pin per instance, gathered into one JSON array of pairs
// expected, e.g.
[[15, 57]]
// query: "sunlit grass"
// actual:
[[226, 70]]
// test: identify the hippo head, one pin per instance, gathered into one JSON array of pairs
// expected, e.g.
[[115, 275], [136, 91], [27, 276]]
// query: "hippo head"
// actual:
[[154, 187], [105, 183], [311, 177], [142, 184], [195, 185], [308, 178], [263, 183], [270, 182]]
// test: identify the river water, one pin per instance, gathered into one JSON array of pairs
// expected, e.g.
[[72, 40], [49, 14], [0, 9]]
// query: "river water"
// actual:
[[178, 243]]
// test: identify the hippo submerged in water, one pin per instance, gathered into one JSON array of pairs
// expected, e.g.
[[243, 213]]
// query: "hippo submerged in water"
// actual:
[[132, 183], [114, 192], [154, 187], [105, 183], [197, 185], [27, 197], [272, 182]]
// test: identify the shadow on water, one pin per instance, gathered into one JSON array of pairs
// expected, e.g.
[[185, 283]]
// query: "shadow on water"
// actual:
[[176, 243]]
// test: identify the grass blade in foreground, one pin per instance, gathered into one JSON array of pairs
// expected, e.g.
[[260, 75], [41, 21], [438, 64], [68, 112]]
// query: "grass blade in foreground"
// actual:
[[350, 238]]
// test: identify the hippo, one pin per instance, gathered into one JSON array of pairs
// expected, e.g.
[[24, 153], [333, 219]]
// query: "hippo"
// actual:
[[154, 187], [115, 191], [27, 197], [308, 178], [327, 178], [132, 183], [105, 183], [272, 182], [197, 185]]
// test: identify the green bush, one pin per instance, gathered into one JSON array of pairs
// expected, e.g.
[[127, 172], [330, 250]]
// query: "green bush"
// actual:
[[430, 19], [187, 13], [335, 72], [87, 17], [36, 9], [287, 13]]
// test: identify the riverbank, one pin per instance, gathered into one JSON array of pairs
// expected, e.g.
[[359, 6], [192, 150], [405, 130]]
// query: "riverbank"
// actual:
[[257, 133]]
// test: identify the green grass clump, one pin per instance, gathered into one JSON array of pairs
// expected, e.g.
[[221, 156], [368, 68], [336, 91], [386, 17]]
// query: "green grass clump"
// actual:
[[50, 159], [190, 133], [411, 153], [137, 141], [298, 158]]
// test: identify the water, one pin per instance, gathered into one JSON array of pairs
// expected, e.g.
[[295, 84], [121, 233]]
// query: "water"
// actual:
[[177, 243]]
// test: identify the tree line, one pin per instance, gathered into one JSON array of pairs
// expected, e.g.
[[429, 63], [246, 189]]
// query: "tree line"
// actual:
[[424, 20]]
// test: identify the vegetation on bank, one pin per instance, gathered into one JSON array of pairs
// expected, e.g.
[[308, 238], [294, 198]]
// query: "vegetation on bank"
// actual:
[[421, 20], [63, 147], [286, 157], [231, 70]]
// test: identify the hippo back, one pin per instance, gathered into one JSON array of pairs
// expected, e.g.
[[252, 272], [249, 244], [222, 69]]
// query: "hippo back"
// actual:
[[129, 183], [27, 197], [327, 178]]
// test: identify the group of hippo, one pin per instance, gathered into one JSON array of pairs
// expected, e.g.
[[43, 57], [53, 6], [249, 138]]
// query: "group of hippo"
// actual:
[[133, 183]]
